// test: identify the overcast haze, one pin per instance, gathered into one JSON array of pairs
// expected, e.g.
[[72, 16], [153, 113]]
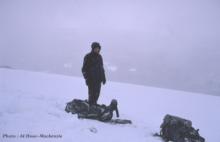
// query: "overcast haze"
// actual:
[[163, 43]]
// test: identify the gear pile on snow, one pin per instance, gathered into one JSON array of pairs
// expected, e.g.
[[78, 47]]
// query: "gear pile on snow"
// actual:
[[177, 129], [99, 112]]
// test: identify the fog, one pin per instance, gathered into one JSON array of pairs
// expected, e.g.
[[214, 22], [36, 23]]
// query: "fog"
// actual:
[[163, 43]]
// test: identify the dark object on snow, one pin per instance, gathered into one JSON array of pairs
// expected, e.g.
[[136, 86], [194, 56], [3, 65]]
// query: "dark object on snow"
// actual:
[[120, 121], [93, 72], [99, 112], [177, 129]]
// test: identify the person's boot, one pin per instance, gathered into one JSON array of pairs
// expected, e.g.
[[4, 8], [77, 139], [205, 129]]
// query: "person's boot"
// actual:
[[114, 107]]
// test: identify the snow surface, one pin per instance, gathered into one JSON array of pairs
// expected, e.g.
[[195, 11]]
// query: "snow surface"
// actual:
[[33, 103]]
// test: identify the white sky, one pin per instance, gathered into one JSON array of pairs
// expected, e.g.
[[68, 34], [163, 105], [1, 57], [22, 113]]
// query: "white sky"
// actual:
[[170, 43]]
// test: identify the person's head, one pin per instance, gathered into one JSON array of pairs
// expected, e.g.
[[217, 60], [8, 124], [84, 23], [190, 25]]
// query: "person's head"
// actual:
[[96, 47]]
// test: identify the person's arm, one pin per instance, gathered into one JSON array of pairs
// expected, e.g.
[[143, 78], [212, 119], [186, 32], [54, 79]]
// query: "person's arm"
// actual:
[[103, 72], [85, 67]]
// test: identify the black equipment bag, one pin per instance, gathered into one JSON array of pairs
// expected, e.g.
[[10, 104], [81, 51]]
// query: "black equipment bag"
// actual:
[[178, 129]]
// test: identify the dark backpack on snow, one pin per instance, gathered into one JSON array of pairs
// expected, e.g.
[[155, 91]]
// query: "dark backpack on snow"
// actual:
[[177, 129]]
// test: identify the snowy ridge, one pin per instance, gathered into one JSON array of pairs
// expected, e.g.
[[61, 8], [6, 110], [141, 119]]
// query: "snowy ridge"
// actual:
[[33, 103]]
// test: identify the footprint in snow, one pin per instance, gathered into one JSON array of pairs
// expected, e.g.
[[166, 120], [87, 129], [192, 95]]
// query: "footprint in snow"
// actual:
[[93, 130]]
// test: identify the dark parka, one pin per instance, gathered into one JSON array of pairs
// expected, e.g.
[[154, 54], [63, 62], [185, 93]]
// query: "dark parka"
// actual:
[[92, 69]]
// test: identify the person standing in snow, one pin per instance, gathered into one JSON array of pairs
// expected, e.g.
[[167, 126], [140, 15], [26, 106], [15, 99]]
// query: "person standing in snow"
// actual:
[[94, 73]]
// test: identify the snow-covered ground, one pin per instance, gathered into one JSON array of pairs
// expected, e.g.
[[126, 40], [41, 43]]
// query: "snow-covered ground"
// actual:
[[33, 103]]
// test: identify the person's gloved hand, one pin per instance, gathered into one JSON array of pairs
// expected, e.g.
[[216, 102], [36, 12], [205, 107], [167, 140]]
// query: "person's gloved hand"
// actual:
[[87, 82], [85, 75], [103, 82]]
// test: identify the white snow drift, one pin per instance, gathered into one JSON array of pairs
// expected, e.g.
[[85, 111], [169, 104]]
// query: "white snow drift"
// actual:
[[32, 109]]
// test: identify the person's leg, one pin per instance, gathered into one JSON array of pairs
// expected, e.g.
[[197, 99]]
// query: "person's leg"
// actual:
[[91, 92], [97, 91]]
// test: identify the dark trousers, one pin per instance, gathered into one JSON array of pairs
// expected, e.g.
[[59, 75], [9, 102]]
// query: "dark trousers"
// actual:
[[94, 91]]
